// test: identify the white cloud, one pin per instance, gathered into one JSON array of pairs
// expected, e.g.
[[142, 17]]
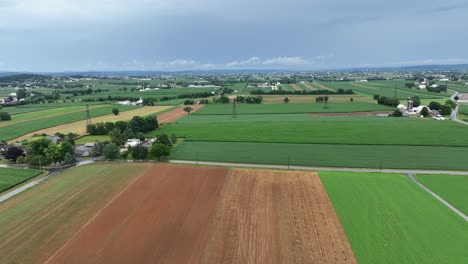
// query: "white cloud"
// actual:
[[270, 62]]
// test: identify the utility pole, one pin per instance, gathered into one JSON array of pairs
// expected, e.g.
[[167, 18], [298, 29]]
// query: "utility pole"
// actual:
[[88, 115], [234, 112]]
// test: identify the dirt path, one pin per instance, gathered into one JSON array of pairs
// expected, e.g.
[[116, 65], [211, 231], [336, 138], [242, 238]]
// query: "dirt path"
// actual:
[[296, 87], [310, 87], [173, 115], [442, 200], [79, 127]]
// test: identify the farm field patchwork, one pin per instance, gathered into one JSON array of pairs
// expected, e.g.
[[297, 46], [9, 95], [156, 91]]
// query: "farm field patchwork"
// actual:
[[291, 219], [328, 155], [453, 188], [248, 109], [175, 114], [79, 127], [35, 223], [293, 99], [12, 177], [389, 219]]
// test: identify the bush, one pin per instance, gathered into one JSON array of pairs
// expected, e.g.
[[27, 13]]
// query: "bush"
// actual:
[[388, 101], [159, 151], [425, 112], [115, 111], [111, 151], [4, 116], [139, 152], [445, 110], [286, 100], [397, 113], [435, 106], [376, 97]]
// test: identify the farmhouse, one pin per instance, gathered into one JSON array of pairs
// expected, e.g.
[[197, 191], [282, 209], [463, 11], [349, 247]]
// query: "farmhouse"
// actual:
[[127, 102], [422, 86]]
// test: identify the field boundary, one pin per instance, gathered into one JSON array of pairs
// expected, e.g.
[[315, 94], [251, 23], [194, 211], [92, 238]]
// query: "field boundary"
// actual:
[[435, 195]]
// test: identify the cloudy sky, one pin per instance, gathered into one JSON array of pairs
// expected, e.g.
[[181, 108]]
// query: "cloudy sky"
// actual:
[[83, 35]]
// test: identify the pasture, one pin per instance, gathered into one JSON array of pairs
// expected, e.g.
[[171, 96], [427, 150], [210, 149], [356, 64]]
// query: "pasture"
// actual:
[[12, 177], [389, 219], [328, 155], [453, 188]]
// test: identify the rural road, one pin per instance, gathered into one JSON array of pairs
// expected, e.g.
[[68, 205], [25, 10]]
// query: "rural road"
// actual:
[[458, 212], [26, 186], [313, 168], [454, 115]]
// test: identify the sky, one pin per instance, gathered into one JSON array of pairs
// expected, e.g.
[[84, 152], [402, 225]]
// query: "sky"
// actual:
[[172, 35]]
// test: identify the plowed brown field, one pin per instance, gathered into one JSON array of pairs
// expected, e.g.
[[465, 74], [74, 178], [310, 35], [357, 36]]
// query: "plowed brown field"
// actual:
[[296, 87], [175, 114], [310, 87], [184, 214]]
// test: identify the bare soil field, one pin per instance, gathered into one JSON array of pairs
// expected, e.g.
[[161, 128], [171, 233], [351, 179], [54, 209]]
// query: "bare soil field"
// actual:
[[35, 223], [80, 126], [349, 114], [296, 87], [186, 214], [164, 217], [308, 86], [463, 96], [276, 217], [175, 114], [323, 87]]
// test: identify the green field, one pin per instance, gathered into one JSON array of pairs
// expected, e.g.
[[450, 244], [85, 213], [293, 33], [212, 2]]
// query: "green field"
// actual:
[[249, 109], [12, 177], [453, 188], [328, 155], [19, 129], [389, 219], [306, 129], [46, 113]]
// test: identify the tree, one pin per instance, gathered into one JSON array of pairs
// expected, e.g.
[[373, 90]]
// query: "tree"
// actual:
[[13, 153], [351, 99], [456, 98], [69, 158], [139, 152], [163, 139], [376, 97], [159, 151], [188, 109], [397, 113], [435, 106], [416, 101], [37, 146], [286, 100], [21, 93], [451, 103], [111, 151], [410, 85], [151, 123], [138, 124], [121, 125], [98, 149], [117, 137], [445, 110], [174, 138], [425, 112], [115, 111]]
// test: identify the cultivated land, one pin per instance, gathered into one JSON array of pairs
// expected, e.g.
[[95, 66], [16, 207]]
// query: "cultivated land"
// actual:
[[299, 108], [89, 138], [276, 217], [453, 188], [175, 114], [12, 177], [79, 127], [389, 219], [328, 155], [293, 99], [282, 217], [34, 224]]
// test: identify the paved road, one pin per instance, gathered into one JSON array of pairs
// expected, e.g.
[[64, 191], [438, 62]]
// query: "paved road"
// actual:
[[454, 115], [314, 168], [458, 212]]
